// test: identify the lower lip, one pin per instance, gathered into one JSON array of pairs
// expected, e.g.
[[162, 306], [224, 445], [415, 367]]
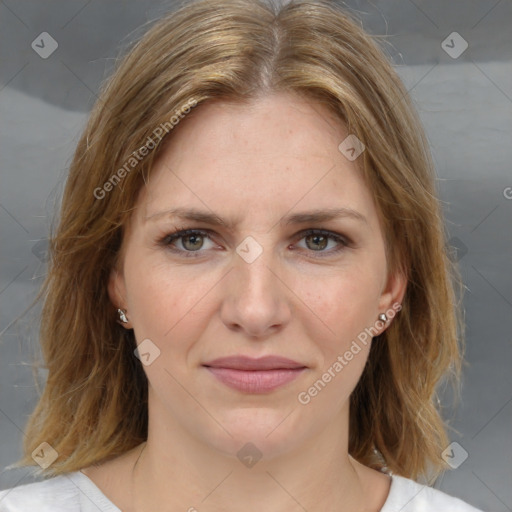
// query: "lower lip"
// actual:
[[255, 381]]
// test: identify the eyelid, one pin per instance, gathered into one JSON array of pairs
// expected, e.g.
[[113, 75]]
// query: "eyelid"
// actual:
[[176, 234], [343, 241], [325, 232]]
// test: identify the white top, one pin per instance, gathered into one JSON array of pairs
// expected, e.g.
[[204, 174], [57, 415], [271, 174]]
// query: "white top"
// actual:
[[75, 492]]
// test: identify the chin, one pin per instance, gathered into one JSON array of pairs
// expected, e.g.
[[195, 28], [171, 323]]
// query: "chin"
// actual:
[[261, 430]]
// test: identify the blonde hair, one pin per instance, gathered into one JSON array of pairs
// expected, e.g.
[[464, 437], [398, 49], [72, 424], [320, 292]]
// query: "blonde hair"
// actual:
[[94, 404]]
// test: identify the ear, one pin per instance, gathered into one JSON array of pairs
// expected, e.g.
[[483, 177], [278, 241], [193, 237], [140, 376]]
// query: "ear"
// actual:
[[393, 293], [117, 293]]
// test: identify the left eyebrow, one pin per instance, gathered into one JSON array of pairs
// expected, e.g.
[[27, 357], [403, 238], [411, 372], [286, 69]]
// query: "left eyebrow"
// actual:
[[323, 216], [311, 216]]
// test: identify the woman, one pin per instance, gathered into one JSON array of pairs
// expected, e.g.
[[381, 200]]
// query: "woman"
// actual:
[[249, 304]]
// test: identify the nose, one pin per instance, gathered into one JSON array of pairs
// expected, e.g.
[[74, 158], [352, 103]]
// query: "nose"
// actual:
[[256, 300]]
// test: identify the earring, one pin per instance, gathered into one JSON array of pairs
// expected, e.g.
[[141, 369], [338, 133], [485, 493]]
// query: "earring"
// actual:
[[383, 317], [122, 316]]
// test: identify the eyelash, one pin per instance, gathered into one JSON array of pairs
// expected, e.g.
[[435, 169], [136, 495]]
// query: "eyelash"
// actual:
[[171, 237]]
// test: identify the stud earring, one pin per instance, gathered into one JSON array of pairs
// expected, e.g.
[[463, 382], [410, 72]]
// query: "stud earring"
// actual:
[[122, 316], [383, 317]]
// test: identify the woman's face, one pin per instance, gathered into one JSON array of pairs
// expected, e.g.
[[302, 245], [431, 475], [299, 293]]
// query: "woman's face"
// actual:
[[286, 259]]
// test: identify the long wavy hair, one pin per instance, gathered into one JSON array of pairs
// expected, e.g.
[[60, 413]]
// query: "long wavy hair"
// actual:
[[93, 406]]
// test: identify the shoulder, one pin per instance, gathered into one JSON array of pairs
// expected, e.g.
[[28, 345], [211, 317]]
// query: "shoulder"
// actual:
[[406, 495], [57, 493], [71, 492]]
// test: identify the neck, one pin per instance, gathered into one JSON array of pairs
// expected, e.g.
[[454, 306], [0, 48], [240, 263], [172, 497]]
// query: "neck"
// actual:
[[176, 471]]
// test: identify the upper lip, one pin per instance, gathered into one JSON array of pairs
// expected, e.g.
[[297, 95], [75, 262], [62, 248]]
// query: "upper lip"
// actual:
[[249, 363]]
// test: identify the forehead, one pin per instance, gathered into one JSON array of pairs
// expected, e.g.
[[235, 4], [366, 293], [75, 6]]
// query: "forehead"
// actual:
[[268, 156]]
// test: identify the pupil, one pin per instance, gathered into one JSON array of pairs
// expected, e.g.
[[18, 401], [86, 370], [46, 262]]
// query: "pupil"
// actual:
[[196, 242], [319, 240]]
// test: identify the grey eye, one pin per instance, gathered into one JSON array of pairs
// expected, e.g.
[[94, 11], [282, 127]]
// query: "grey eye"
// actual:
[[316, 242], [192, 242]]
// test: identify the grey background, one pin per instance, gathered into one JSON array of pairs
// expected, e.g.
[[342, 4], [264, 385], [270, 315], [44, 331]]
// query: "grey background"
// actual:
[[465, 104]]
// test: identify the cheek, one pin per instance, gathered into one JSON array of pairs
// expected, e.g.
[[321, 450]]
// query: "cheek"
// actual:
[[343, 308], [169, 303], [344, 303]]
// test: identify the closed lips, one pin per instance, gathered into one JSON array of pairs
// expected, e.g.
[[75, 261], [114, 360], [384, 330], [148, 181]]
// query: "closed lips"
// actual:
[[251, 364], [250, 375]]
